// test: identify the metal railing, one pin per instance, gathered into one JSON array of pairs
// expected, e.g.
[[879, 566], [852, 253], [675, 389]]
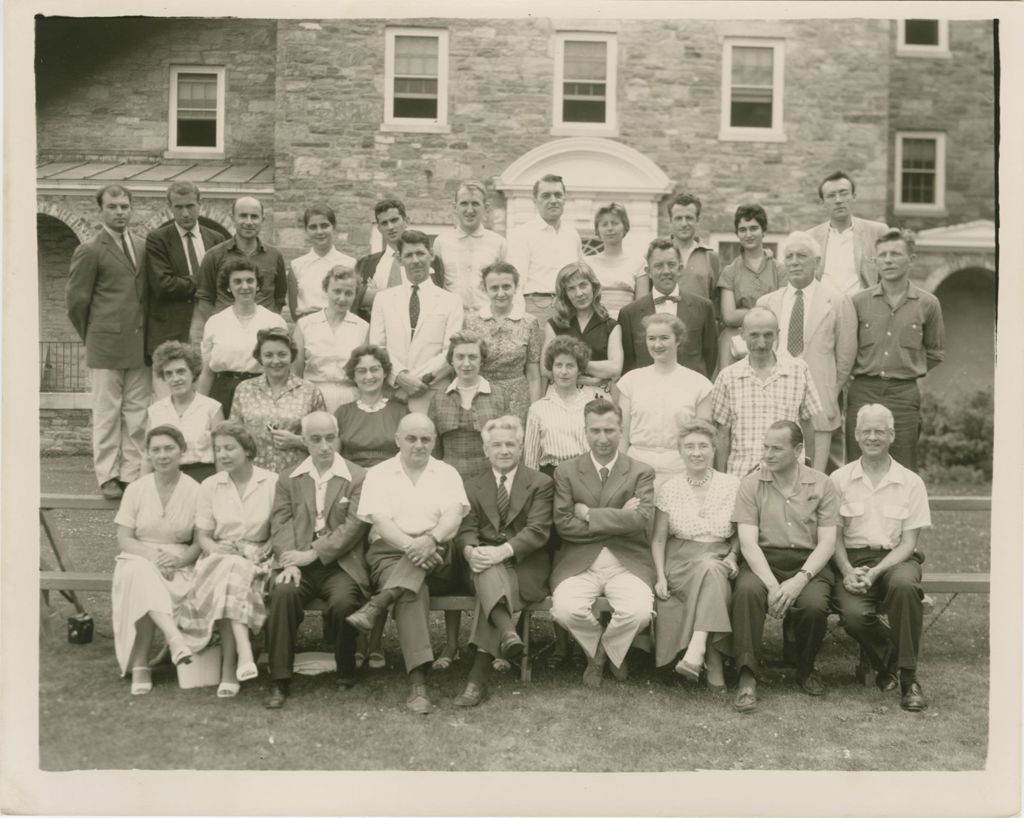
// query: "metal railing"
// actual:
[[62, 367]]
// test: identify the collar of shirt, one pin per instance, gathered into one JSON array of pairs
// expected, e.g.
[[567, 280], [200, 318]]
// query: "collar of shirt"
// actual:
[[656, 294], [374, 407], [912, 291], [425, 284], [337, 469], [234, 246], [518, 310], [117, 237], [599, 466], [194, 232], [259, 475], [509, 477], [842, 234], [747, 371], [293, 382], [894, 474], [483, 387], [804, 474], [539, 224], [476, 234], [552, 395], [808, 291]]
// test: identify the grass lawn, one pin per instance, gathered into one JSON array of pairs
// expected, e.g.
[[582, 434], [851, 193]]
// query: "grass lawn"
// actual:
[[88, 720]]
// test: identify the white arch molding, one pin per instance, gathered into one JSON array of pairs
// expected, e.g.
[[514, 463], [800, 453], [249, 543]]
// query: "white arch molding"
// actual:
[[596, 171], [75, 223], [956, 263]]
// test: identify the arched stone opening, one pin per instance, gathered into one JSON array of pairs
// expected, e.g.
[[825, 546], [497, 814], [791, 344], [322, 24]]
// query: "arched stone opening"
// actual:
[[61, 355]]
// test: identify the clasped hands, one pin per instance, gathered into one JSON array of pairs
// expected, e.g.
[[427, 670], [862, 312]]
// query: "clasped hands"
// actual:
[[166, 563], [858, 580], [784, 594], [425, 552], [483, 557], [292, 562]]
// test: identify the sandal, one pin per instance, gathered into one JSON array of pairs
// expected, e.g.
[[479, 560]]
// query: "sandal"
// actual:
[[445, 662], [247, 671], [142, 681], [376, 661], [228, 690], [688, 671]]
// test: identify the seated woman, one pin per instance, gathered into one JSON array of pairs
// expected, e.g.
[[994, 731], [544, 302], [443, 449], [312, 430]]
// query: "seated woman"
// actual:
[[694, 547], [178, 365], [325, 339], [153, 572], [622, 275], [579, 313], [366, 434], [655, 399], [272, 405], [458, 414], [233, 531], [513, 339], [306, 272]]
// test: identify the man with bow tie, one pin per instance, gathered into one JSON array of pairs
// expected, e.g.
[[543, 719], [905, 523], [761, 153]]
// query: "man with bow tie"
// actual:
[[502, 539], [320, 544], [700, 351]]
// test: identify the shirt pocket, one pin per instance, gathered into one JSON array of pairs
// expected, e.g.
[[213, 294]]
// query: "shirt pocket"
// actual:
[[912, 336], [892, 520], [868, 333], [851, 510]]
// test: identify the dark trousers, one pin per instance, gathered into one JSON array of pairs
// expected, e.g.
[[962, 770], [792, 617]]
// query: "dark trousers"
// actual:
[[808, 614], [494, 585], [287, 600], [903, 399], [896, 593], [223, 388]]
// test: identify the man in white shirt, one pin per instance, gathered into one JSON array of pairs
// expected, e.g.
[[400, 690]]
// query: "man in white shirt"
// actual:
[[543, 246], [415, 505], [818, 324], [413, 322], [469, 247], [320, 544], [847, 243]]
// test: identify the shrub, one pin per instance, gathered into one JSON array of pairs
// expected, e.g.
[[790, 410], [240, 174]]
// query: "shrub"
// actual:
[[956, 437]]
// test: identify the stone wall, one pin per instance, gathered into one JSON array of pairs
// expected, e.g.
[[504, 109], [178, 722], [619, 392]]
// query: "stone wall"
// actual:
[[65, 431]]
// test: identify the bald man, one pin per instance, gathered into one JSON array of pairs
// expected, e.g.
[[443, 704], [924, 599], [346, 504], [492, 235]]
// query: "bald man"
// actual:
[[415, 505], [247, 215]]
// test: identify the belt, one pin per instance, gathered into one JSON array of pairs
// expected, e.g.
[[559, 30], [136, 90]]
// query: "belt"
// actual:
[[882, 378]]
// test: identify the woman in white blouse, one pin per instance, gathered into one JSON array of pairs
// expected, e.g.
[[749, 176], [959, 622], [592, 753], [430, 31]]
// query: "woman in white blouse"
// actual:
[[230, 335], [233, 531], [694, 547], [621, 274], [178, 365], [325, 339], [307, 271]]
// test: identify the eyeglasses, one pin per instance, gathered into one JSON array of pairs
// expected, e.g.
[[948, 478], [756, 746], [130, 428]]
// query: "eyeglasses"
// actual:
[[839, 195]]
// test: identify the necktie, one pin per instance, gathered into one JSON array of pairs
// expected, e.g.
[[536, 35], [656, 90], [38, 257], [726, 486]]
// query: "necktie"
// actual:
[[503, 501], [395, 276], [661, 299], [603, 471], [414, 306], [795, 344], [193, 259], [126, 251]]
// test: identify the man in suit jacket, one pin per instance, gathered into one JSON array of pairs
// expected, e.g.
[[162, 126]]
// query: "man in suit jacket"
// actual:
[[502, 539], [173, 255], [321, 544], [604, 504], [700, 350], [378, 271], [816, 323], [105, 296], [413, 322], [847, 243]]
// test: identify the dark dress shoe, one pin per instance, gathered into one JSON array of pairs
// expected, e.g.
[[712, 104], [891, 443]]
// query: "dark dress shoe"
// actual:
[[886, 681], [745, 701], [111, 489], [365, 618], [276, 699], [812, 685], [471, 696], [418, 701], [913, 699], [344, 682], [512, 646]]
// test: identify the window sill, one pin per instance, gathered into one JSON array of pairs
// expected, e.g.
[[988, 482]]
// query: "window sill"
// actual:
[[752, 135], [925, 52], [579, 129], [193, 153], [919, 210], [415, 127]]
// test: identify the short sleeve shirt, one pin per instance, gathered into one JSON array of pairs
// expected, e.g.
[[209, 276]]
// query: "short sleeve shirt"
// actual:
[[660, 403], [877, 516], [228, 342], [233, 517], [309, 271], [786, 521], [689, 519], [748, 286], [194, 424]]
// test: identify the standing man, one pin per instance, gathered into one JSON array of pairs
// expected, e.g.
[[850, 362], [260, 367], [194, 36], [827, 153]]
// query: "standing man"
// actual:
[[502, 539], [466, 249], [543, 246], [267, 261], [414, 322], [700, 350], [378, 271], [847, 243], [700, 264], [899, 338], [786, 516], [604, 505], [752, 394], [320, 543], [105, 297], [415, 505], [174, 254], [884, 507], [817, 324]]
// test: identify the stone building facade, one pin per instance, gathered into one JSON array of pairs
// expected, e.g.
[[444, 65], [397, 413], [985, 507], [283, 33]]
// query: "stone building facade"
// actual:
[[306, 112]]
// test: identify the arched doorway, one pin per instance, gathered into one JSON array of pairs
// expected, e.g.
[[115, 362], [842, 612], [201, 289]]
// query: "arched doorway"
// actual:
[[62, 357], [968, 299]]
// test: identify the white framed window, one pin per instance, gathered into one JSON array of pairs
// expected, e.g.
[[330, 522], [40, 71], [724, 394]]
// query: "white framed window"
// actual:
[[752, 86], [196, 113], [416, 79], [585, 89], [920, 184], [922, 38]]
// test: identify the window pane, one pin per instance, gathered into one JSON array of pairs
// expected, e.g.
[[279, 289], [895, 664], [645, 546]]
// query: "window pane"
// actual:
[[921, 32], [586, 60], [197, 111], [196, 133], [918, 188], [751, 108], [919, 154], [753, 66], [750, 105], [410, 87], [416, 56], [415, 108], [578, 110]]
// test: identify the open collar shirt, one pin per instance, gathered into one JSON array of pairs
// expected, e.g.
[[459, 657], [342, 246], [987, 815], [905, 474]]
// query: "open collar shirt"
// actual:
[[309, 271], [840, 261], [540, 251], [555, 428], [464, 255], [268, 262], [786, 519], [875, 516], [233, 517], [320, 482], [901, 342]]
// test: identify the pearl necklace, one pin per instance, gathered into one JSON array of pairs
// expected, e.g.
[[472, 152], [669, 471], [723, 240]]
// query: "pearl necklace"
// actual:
[[699, 483]]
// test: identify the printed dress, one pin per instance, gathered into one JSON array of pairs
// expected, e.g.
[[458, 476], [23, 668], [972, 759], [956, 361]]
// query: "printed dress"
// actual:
[[512, 343]]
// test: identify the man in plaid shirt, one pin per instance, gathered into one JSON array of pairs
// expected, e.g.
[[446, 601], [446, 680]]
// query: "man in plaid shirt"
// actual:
[[752, 394]]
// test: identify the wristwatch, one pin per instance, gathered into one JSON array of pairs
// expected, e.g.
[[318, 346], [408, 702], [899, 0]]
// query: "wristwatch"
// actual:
[[810, 576]]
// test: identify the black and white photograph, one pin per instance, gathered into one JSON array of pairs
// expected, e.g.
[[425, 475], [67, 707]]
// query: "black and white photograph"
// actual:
[[555, 409]]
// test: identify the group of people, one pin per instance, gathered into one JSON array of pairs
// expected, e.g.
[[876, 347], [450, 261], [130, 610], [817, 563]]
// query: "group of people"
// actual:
[[467, 416]]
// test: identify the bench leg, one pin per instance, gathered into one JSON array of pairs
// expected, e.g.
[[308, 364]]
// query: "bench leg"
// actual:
[[524, 668]]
